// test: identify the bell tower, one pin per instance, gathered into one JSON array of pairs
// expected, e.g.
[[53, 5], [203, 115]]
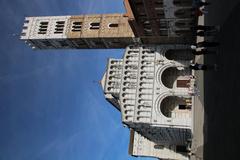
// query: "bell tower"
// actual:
[[79, 32]]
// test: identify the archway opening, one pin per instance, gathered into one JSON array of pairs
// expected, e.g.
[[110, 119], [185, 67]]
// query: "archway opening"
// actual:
[[174, 78], [172, 104]]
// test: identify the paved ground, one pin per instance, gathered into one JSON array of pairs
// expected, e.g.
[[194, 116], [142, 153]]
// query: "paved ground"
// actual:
[[198, 109], [198, 139], [221, 95], [218, 107]]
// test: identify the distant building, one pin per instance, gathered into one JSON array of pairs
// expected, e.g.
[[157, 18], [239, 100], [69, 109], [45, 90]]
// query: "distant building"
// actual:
[[162, 21], [152, 86]]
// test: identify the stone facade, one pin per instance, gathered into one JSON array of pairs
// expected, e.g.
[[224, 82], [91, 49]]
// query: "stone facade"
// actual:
[[86, 31], [146, 22], [152, 86], [141, 146], [162, 21]]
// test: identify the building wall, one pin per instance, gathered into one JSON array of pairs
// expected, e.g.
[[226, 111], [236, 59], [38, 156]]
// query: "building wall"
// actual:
[[84, 31], [157, 110], [111, 81], [162, 21], [141, 146], [146, 22]]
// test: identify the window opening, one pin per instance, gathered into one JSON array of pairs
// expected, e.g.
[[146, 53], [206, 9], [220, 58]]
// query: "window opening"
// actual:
[[76, 26], [94, 25], [113, 25], [43, 28], [59, 27]]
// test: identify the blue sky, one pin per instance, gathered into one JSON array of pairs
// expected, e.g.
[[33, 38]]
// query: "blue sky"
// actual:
[[51, 107]]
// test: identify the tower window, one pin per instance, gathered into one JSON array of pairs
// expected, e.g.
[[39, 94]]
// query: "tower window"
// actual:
[[59, 27], [113, 25], [76, 26], [94, 25], [43, 28]]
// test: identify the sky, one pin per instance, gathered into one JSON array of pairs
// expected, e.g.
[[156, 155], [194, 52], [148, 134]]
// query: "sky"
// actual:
[[51, 105]]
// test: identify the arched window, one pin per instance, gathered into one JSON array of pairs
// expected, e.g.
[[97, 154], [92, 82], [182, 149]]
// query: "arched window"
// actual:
[[94, 25], [59, 27], [76, 26], [43, 27], [113, 25]]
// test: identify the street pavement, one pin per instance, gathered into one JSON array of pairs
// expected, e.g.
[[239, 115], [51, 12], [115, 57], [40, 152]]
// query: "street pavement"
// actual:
[[198, 108], [217, 108], [221, 87]]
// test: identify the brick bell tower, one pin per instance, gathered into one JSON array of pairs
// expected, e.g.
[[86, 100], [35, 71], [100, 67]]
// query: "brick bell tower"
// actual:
[[79, 32]]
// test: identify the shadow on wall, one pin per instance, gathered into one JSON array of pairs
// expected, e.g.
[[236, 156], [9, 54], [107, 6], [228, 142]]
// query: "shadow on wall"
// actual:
[[222, 98], [169, 104]]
